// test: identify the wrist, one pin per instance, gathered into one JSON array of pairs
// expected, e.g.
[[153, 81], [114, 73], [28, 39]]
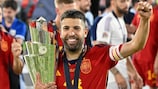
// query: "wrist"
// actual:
[[145, 19], [115, 72], [16, 57]]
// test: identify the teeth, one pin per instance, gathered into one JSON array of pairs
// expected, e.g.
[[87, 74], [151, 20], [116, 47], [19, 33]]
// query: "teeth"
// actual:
[[72, 40]]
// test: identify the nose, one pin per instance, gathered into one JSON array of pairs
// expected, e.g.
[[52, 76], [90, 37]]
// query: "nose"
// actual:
[[72, 33]]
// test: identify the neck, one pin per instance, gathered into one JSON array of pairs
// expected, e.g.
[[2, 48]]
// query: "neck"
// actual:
[[9, 23], [107, 10], [73, 55], [118, 14]]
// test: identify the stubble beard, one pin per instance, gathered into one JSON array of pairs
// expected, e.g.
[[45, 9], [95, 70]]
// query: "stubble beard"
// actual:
[[73, 47]]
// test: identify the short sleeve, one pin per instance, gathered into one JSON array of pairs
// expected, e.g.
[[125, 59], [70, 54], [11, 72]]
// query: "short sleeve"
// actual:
[[21, 31], [114, 53], [103, 30]]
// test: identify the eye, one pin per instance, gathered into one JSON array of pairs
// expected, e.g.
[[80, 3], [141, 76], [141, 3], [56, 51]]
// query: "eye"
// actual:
[[77, 28], [122, 1], [65, 28]]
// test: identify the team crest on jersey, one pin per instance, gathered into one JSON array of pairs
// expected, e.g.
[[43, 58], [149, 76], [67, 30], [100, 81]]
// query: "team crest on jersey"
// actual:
[[4, 45], [86, 66]]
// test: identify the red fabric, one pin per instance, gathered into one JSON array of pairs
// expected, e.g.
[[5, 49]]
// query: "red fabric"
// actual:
[[6, 59], [32, 24], [51, 29], [30, 12], [93, 70], [136, 20], [27, 4], [146, 57]]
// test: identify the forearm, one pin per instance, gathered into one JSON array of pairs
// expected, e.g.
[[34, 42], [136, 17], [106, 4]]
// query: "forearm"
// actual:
[[130, 66], [142, 34], [114, 71], [138, 42], [16, 51], [17, 65]]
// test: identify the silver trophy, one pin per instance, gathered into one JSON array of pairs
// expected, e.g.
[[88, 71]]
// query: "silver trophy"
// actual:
[[40, 56]]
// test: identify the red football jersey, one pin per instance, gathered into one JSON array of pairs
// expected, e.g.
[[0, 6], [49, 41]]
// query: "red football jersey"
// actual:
[[6, 59], [146, 56], [93, 69]]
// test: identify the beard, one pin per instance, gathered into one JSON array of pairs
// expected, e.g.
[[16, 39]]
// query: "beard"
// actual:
[[122, 11], [85, 9], [74, 46]]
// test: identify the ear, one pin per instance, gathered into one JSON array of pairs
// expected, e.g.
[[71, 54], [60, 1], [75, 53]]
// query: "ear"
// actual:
[[57, 10], [86, 32]]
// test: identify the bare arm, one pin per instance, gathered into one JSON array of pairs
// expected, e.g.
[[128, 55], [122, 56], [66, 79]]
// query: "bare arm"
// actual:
[[138, 42], [16, 51], [40, 85], [135, 79], [130, 66], [120, 80], [19, 40]]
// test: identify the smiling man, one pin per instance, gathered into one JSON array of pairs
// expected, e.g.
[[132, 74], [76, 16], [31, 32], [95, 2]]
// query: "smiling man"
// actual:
[[80, 67]]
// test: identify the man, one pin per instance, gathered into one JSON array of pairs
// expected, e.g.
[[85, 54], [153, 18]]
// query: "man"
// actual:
[[10, 51], [84, 7], [145, 59], [14, 26], [83, 68], [112, 30], [17, 29], [54, 26], [108, 8]]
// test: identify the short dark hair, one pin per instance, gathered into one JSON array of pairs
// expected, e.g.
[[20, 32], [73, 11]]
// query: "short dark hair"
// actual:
[[10, 4], [75, 14], [107, 3]]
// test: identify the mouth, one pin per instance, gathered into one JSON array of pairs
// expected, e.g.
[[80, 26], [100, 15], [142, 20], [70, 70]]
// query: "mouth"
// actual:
[[71, 41]]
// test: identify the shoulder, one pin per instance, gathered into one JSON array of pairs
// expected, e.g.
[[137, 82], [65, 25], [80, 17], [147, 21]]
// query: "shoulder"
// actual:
[[100, 54], [106, 19], [99, 49], [19, 22]]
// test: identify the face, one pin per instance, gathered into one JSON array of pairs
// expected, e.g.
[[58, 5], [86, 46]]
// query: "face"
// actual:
[[85, 5], [9, 14], [72, 34], [64, 7], [122, 6]]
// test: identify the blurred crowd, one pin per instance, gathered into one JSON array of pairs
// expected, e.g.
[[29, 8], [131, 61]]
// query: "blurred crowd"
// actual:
[[116, 22]]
